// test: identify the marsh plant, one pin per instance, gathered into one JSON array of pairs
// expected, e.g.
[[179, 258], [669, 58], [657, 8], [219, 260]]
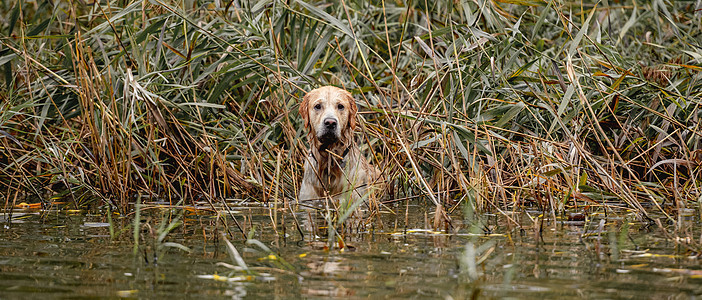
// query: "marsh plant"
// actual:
[[152, 236], [503, 104]]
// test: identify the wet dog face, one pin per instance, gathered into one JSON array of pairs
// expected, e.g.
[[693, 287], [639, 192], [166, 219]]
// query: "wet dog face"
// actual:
[[329, 114]]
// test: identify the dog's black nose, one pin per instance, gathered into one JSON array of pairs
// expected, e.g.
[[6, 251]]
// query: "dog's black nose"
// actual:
[[330, 123]]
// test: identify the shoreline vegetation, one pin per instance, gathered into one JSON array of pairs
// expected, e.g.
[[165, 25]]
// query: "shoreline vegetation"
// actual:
[[474, 106]]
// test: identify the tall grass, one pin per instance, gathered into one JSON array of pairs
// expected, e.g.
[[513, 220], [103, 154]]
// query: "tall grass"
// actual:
[[489, 105]]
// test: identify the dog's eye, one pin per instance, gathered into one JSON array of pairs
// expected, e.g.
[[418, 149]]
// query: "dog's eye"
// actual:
[[340, 106], [318, 106]]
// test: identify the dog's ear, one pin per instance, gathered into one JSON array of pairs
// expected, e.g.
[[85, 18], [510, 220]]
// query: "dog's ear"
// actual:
[[304, 110], [353, 109]]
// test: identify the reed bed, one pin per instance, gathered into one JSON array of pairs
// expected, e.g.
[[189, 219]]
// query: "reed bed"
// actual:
[[468, 105]]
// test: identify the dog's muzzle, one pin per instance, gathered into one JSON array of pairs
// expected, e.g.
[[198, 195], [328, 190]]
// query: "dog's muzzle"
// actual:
[[329, 133]]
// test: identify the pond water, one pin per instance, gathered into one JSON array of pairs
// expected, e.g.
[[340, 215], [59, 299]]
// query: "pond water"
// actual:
[[70, 254]]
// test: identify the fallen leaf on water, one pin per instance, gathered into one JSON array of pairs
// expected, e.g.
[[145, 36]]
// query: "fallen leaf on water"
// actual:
[[216, 277], [127, 293]]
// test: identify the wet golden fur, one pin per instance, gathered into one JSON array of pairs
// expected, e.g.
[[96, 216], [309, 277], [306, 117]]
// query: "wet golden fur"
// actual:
[[327, 170]]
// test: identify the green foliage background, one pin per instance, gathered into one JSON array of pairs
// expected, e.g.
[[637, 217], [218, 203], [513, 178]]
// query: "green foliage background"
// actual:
[[498, 104]]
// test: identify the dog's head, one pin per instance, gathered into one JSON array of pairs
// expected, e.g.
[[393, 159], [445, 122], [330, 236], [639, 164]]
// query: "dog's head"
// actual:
[[329, 114]]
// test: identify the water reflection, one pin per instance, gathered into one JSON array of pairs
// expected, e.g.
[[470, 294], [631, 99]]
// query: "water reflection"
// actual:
[[599, 257]]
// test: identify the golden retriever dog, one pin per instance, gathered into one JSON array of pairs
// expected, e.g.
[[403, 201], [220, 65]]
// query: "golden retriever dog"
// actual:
[[334, 167]]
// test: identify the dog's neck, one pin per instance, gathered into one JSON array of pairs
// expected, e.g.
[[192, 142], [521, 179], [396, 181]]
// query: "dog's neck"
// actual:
[[329, 156], [330, 163]]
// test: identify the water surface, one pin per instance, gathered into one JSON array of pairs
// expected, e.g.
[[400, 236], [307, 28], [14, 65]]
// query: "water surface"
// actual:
[[65, 254]]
